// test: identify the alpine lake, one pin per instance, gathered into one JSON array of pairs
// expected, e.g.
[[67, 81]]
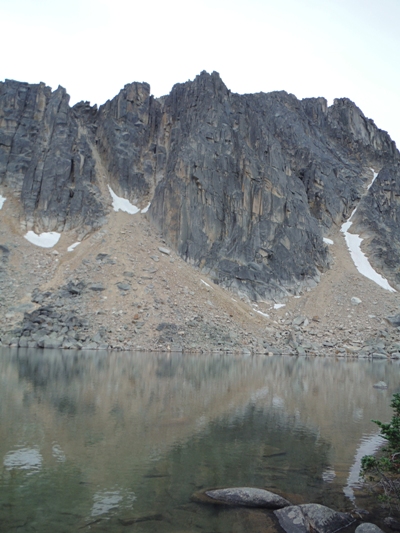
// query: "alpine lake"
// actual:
[[116, 441]]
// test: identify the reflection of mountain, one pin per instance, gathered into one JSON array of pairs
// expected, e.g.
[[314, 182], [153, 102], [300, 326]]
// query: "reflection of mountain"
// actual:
[[127, 410]]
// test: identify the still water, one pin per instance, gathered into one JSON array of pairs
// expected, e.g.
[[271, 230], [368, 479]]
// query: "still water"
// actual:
[[119, 442]]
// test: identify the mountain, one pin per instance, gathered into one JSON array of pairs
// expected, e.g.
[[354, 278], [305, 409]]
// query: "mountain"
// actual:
[[242, 187]]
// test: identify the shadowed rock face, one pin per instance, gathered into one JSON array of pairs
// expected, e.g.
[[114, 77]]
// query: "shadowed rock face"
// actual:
[[45, 159], [242, 186]]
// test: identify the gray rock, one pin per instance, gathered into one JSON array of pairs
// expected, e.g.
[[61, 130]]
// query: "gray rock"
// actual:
[[312, 518], [247, 497], [367, 527], [97, 287], [393, 523], [123, 286], [50, 342], [355, 301], [379, 355], [23, 342], [90, 346], [299, 320], [164, 250], [394, 320]]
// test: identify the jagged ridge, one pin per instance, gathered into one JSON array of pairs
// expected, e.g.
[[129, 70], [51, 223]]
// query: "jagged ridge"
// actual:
[[242, 186]]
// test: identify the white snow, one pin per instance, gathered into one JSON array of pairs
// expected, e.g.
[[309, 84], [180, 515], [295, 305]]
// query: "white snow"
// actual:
[[121, 204], [44, 240], [261, 313], [360, 259], [278, 306], [146, 208], [373, 179], [206, 283], [2, 200], [73, 246], [327, 241]]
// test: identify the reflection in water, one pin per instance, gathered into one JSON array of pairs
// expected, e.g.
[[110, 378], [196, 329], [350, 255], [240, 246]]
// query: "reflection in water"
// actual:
[[23, 459], [128, 438], [58, 454], [108, 501], [368, 446]]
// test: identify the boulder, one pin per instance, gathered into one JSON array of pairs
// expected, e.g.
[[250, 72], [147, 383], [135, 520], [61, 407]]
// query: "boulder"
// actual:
[[394, 320], [312, 518], [367, 527], [243, 496]]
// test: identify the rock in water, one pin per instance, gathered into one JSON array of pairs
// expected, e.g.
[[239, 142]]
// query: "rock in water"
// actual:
[[312, 518], [247, 497], [367, 527]]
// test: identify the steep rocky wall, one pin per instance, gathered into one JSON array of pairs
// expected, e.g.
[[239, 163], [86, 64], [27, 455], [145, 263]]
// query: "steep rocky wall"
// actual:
[[125, 137], [251, 182], [243, 186], [45, 159], [228, 201]]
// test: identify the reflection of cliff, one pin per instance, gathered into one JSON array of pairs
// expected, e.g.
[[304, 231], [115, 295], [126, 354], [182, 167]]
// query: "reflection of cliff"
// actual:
[[129, 410]]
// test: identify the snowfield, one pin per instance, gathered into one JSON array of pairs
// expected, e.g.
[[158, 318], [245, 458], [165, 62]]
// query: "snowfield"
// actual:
[[44, 240], [359, 258]]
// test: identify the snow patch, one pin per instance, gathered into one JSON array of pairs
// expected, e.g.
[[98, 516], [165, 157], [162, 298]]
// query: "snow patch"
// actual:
[[73, 246], [261, 313], [278, 306], [145, 209], [373, 179], [121, 204], [2, 200], [360, 259], [44, 240], [206, 283], [327, 241]]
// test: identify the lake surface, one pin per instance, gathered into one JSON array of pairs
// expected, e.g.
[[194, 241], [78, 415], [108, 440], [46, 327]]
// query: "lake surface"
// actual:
[[119, 442]]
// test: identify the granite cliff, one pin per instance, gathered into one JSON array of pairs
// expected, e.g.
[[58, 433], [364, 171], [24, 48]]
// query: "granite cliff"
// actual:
[[244, 187]]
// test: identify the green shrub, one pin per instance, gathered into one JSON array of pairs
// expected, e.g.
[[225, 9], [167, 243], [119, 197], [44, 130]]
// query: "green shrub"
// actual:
[[383, 471]]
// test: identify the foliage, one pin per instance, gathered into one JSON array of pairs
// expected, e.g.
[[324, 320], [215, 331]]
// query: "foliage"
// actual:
[[383, 471]]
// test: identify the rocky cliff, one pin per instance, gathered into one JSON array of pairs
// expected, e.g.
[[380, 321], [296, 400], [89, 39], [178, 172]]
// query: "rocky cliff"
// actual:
[[242, 186]]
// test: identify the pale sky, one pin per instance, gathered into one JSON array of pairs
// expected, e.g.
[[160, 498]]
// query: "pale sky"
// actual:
[[330, 48]]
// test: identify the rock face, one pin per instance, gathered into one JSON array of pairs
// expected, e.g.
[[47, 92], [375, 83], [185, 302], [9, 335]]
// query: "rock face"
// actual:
[[242, 186], [46, 160]]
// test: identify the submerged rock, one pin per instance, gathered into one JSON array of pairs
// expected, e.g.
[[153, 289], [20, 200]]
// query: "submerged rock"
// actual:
[[367, 527], [312, 518], [244, 496]]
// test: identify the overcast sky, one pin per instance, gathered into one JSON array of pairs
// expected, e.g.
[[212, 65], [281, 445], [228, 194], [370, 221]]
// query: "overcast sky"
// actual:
[[330, 48]]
